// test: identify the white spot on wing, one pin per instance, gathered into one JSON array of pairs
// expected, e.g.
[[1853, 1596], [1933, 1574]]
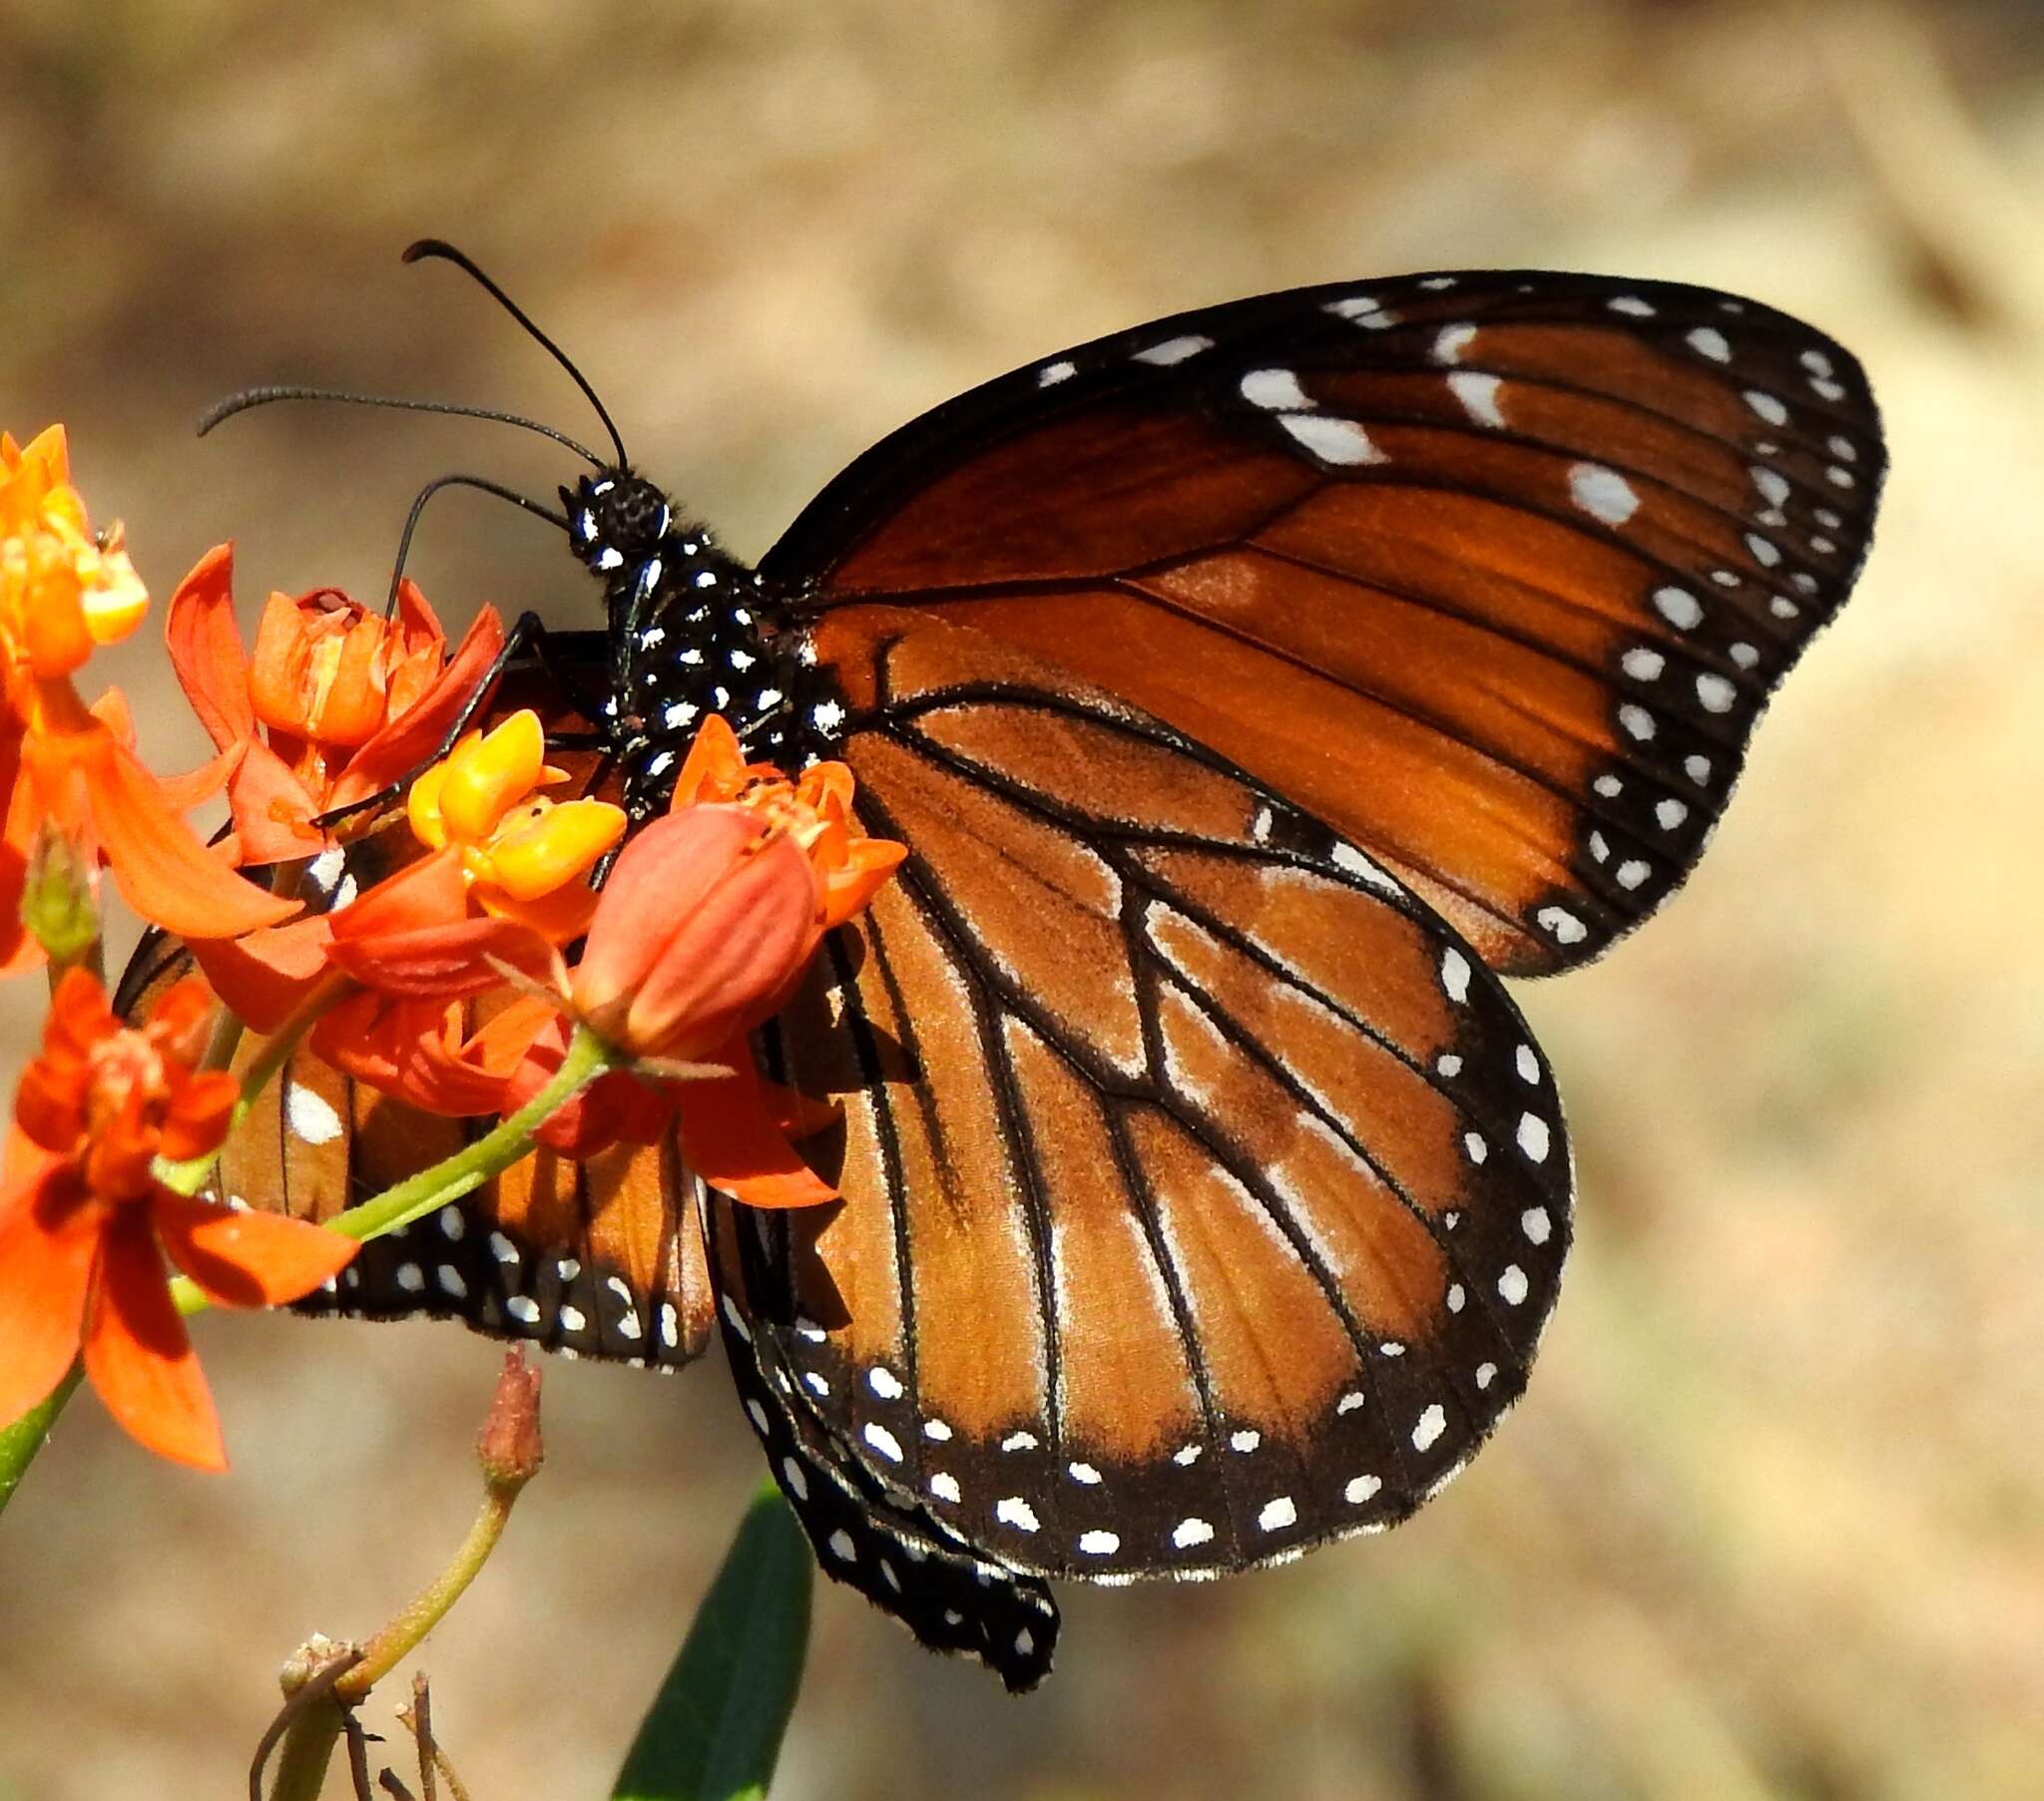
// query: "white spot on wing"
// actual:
[[1174, 349], [1333, 440], [1275, 389], [1603, 493], [1431, 1424], [1277, 1514], [1452, 342], [1562, 925], [1455, 975], [1679, 608], [311, 1120], [1053, 373], [1766, 406], [1478, 395], [1771, 483], [1708, 341]]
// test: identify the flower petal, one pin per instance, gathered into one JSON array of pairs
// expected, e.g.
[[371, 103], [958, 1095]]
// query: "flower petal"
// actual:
[[402, 745], [44, 1274], [163, 872], [200, 1115], [457, 957], [138, 1355], [262, 978], [274, 809], [205, 649], [734, 1144], [714, 767], [247, 1259]]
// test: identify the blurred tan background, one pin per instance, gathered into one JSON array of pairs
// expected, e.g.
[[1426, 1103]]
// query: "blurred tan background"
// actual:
[[1770, 1522]]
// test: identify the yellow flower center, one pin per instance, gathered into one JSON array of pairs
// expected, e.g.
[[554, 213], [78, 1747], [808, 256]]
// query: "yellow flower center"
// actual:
[[512, 840], [63, 589]]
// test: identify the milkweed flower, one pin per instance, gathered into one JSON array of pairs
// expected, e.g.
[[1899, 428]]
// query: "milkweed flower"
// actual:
[[70, 770], [85, 1226], [347, 703], [502, 884], [707, 925]]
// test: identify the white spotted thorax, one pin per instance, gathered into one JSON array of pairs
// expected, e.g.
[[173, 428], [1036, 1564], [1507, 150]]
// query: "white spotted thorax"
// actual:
[[692, 631]]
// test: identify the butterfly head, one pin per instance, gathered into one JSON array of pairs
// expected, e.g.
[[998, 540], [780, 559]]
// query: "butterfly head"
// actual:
[[616, 519]]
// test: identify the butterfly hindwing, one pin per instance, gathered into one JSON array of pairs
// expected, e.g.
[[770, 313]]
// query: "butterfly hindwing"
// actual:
[[1492, 571], [1203, 1197], [866, 1532]]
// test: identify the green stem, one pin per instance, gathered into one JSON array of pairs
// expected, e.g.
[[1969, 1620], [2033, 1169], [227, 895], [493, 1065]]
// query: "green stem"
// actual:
[[587, 1057], [20, 1442], [427, 1610]]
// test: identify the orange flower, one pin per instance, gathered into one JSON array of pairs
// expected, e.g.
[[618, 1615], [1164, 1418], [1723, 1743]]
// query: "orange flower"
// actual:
[[705, 927], [70, 771], [84, 1224], [501, 886], [350, 702], [814, 809]]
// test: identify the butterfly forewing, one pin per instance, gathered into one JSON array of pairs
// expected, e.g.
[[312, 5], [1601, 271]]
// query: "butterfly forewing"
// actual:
[[1204, 1198], [1493, 572]]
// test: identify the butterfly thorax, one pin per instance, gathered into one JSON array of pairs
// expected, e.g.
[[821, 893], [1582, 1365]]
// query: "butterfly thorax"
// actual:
[[692, 631]]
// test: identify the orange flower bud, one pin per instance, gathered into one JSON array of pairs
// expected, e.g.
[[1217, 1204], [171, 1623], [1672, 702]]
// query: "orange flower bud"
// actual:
[[708, 919]]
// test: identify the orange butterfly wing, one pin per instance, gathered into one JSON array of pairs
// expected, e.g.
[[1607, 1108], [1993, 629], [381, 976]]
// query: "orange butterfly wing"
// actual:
[[1204, 1194], [1493, 572]]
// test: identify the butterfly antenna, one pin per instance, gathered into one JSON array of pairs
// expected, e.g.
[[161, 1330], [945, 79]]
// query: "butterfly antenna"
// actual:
[[446, 253], [432, 487], [226, 409]]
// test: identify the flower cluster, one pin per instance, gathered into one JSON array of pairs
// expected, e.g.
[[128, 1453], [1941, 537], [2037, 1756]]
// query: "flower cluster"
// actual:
[[461, 981]]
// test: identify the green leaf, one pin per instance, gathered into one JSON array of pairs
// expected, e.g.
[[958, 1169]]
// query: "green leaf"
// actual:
[[713, 1731]]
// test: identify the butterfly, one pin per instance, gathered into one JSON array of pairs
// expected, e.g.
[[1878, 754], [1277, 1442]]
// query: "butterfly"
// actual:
[[1254, 688]]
